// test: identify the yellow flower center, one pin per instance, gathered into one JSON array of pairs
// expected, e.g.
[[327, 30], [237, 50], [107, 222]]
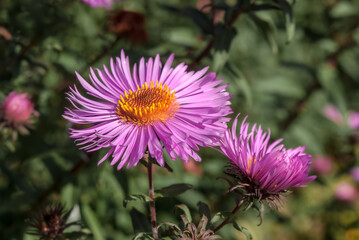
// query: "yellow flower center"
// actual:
[[152, 102]]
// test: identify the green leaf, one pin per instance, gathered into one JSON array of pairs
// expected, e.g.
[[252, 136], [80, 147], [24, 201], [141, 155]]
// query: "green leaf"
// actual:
[[223, 37], [136, 197], [92, 221], [243, 230], [140, 222], [343, 9], [218, 216], [220, 59], [289, 19], [174, 190], [268, 31], [197, 16], [143, 236], [204, 209], [77, 235], [186, 211], [260, 7]]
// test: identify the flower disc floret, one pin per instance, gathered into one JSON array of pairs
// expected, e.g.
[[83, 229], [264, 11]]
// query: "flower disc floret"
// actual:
[[149, 109], [150, 103]]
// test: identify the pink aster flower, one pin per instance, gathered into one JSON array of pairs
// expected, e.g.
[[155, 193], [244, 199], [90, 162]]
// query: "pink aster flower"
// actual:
[[152, 108], [263, 170], [16, 111], [100, 3]]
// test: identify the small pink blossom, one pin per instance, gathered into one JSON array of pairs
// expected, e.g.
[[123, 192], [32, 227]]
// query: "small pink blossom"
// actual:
[[353, 120], [355, 174], [345, 192], [17, 107], [323, 165], [332, 113], [100, 3]]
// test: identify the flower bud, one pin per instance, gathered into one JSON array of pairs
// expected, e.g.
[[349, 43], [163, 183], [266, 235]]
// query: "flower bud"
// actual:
[[17, 107]]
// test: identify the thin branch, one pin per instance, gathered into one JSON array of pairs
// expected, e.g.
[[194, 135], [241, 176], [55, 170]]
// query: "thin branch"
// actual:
[[228, 218]]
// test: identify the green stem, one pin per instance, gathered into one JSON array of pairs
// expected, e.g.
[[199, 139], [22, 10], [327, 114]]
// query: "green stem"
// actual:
[[234, 211], [152, 202]]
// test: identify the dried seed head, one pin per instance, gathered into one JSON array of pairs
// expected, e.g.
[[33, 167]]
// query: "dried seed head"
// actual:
[[49, 222]]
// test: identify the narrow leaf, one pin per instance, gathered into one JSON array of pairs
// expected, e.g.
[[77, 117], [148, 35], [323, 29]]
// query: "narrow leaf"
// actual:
[[289, 19], [268, 32], [140, 222], [93, 222], [186, 211], [174, 190], [243, 230], [204, 209], [136, 197]]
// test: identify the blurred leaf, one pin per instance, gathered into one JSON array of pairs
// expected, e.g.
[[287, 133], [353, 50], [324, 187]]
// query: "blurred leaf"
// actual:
[[218, 216], [135, 197], [92, 221], [76, 235], [264, 6], [289, 19], [143, 236], [204, 209], [330, 82], [197, 16], [220, 59], [140, 222], [243, 230], [67, 194], [343, 9], [174, 190], [268, 31], [223, 37]]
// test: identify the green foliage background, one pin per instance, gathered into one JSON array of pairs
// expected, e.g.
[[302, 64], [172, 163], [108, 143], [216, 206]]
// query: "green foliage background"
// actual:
[[284, 63]]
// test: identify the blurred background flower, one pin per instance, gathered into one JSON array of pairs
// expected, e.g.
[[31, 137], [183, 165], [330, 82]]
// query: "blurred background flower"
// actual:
[[346, 192], [355, 174], [16, 112], [130, 25], [323, 165], [100, 3], [333, 114]]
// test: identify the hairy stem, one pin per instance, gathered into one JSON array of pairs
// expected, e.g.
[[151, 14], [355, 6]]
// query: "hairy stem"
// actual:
[[152, 202]]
